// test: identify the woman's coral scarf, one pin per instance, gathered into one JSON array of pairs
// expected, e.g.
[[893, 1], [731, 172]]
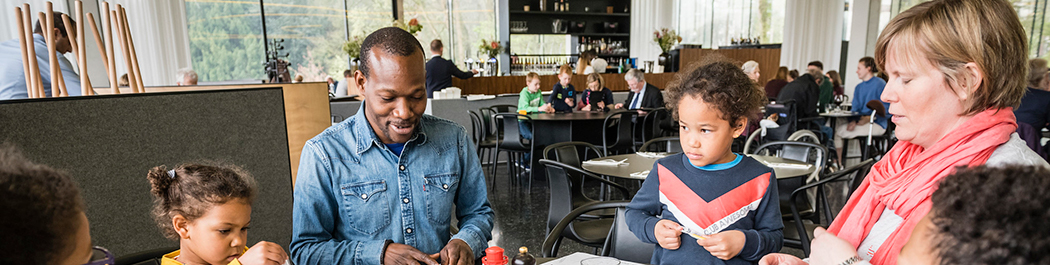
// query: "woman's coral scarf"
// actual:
[[906, 177]]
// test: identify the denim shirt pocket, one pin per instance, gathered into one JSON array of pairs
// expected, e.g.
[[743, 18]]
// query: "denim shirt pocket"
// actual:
[[367, 205], [440, 193]]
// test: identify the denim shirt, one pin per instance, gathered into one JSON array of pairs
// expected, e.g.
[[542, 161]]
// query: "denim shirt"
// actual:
[[352, 193]]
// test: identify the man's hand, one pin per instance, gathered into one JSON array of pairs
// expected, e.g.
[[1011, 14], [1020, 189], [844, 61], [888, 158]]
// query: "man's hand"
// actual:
[[618, 106], [781, 259], [456, 252], [406, 255], [475, 71], [264, 253], [852, 125], [570, 102], [724, 245], [668, 234]]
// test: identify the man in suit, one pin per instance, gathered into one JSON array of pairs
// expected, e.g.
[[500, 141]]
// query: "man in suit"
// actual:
[[651, 97], [440, 71]]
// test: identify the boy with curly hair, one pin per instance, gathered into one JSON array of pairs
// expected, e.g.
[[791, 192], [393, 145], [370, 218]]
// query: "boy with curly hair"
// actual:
[[985, 215], [709, 205]]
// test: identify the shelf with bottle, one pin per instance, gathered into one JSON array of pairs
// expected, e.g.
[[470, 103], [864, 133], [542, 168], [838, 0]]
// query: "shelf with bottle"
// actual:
[[541, 64], [569, 13]]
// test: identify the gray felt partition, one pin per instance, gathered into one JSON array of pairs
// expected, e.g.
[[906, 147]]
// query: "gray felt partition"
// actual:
[[109, 143]]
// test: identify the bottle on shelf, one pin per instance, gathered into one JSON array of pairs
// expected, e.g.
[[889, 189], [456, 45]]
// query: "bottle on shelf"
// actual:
[[523, 257]]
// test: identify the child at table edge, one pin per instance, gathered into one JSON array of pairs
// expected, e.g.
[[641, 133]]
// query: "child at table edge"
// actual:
[[730, 200], [530, 100]]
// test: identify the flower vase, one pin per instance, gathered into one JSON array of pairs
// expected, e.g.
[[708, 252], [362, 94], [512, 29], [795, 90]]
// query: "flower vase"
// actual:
[[662, 60]]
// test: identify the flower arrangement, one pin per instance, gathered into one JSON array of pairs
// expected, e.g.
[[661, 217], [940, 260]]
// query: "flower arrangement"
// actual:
[[666, 38], [352, 47], [492, 49], [412, 27]]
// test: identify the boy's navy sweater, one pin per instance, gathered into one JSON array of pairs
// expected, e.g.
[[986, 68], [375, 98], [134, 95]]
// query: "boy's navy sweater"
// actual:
[[740, 195], [558, 96]]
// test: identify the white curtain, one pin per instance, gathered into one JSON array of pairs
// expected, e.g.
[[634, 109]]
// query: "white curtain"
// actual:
[[161, 41], [7, 15], [648, 16], [812, 32]]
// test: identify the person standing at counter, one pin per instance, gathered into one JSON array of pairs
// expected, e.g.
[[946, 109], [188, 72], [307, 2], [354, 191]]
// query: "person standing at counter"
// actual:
[[440, 71], [563, 97]]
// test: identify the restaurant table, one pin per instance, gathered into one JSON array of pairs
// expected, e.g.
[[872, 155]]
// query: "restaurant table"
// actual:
[[583, 126], [579, 258], [637, 163], [835, 115]]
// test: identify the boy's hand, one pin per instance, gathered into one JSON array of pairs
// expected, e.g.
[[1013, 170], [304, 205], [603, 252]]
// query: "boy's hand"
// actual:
[[724, 245], [264, 253], [570, 102], [545, 108], [618, 106], [668, 234]]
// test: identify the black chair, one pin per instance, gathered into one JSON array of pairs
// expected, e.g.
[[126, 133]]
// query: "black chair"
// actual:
[[515, 146], [484, 144], [655, 124], [594, 228], [623, 125], [572, 153], [565, 182], [811, 153], [504, 108], [787, 120], [792, 236], [624, 245], [488, 118], [670, 144], [148, 257]]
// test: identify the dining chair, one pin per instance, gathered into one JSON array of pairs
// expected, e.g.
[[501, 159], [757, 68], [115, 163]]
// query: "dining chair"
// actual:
[[573, 154], [792, 235], [622, 244], [871, 145], [564, 181], [810, 153], [654, 124], [623, 126], [594, 232], [515, 146], [669, 144], [484, 145]]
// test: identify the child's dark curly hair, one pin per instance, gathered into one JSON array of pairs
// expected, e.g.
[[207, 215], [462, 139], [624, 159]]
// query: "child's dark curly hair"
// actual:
[[41, 209], [191, 189], [993, 215], [720, 83]]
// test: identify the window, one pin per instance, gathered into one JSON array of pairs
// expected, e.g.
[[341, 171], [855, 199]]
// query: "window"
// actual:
[[225, 40], [1031, 12], [717, 22], [226, 36]]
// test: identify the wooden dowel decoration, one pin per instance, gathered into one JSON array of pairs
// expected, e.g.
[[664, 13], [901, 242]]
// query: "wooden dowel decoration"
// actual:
[[109, 48], [49, 31], [34, 67], [74, 43], [25, 53], [98, 41], [134, 54], [123, 45], [85, 81]]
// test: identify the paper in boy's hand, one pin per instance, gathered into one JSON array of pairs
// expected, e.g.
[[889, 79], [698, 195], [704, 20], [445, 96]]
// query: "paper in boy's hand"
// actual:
[[690, 232]]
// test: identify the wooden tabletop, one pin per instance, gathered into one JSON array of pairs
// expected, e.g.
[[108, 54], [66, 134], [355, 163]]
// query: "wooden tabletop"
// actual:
[[784, 168]]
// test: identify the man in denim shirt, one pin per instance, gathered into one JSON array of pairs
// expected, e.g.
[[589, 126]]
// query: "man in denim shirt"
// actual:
[[379, 187]]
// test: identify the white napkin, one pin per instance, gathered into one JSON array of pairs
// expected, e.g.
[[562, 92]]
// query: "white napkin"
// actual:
[[640, 174], [789, 165], [652, 154], [764, 123], [606, 162]]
